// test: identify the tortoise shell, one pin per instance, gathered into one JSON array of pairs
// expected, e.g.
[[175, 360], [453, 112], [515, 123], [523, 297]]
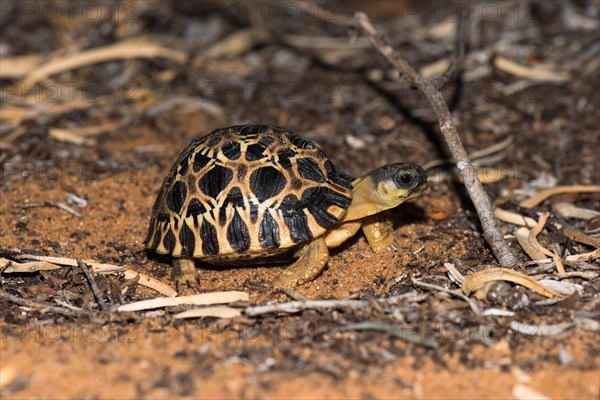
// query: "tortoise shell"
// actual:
[[246, 192]]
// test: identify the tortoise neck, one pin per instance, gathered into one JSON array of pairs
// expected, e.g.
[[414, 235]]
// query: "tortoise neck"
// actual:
[[363, 204]]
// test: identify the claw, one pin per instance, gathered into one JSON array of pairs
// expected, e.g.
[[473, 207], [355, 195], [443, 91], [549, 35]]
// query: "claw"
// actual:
[[391, 247], [185, 276]]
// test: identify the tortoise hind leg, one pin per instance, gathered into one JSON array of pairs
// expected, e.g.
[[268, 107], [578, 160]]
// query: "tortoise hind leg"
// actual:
[[313, 258], [379, 231], [184, 272]]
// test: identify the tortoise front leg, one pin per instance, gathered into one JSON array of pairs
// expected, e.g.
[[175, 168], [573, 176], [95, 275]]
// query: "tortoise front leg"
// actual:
[[313, 258], [379, 231], [184, 272], [338, 234]]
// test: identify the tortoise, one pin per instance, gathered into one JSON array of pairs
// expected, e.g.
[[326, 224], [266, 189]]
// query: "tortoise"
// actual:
[[250, 194]]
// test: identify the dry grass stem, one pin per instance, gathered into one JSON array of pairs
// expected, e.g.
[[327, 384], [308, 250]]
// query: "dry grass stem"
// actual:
[[224, 312], [197, 299], [129, 49]]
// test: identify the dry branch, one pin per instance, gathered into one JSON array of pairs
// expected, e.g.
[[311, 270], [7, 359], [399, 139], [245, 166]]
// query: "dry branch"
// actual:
[[93, 285], [489, 223]]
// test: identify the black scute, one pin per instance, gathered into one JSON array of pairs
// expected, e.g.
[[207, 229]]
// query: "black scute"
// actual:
[[255, 152], [268, 233], [283, 157], [298, 226], [335, 176], [187, 239], [301, 143], [266, 182], [253, 211], [237, 233], [247, 130], [295, 219], [184, 165], [231, 150], [318, 200], [210, 242], [176, 197], [200, 161], [169, 241], [309, 169], [215, 180], [266, 140], [235, 197], [195, 207]]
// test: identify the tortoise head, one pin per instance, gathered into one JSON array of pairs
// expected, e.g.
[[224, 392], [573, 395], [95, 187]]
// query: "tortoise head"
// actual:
[[385, 188], [395, 183]]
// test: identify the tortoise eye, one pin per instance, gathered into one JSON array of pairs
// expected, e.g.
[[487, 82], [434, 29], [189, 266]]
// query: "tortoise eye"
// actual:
[[405, 178]]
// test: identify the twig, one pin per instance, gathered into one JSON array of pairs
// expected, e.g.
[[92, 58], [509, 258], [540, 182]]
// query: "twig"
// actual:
[[456, 293], [297, 306], [326, 15], [101, 268], [67, 312], [56, 204], [201, 299], [461, 38], [398, 331], [489, 223], [92, 281]]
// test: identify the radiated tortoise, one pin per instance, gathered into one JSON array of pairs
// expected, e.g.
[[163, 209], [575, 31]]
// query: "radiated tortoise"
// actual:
[[254, 194]]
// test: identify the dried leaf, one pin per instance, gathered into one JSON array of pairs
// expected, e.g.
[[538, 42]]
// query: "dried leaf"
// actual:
[[514, 218], [454, 272], [568, 210], [28, 267], [580, 237], [535, 74], [544, 194], [478, 279], [152, 283]]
